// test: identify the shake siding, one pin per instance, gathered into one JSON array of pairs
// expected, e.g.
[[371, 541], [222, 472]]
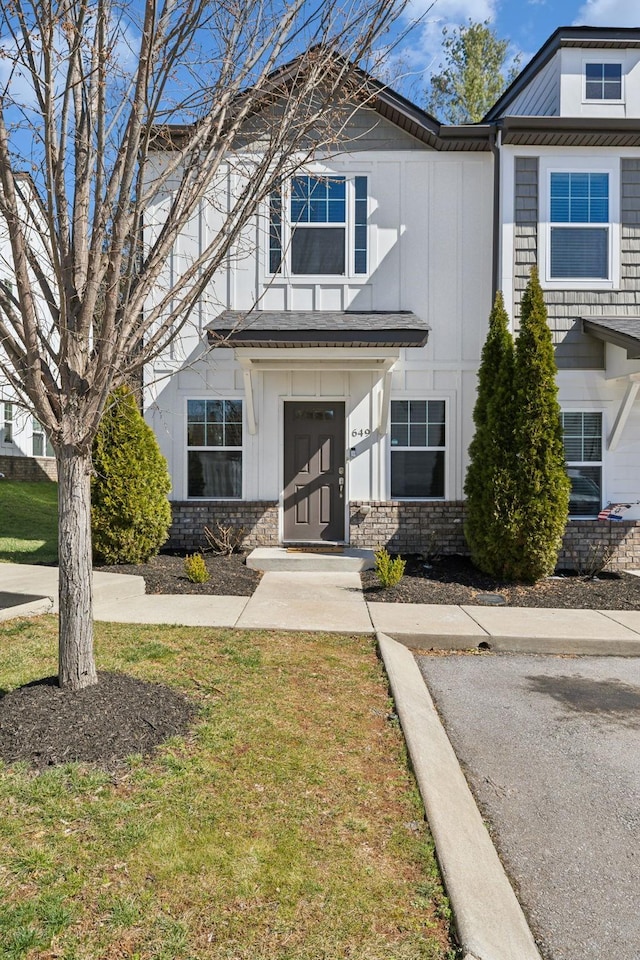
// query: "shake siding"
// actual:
[[574, 350]]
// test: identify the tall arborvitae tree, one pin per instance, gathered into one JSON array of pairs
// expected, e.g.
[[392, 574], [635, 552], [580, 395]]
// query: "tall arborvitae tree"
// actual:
[[541, 485], [489, 482]]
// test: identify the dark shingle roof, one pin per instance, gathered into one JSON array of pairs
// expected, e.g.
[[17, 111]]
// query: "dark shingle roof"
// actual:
[[317, 328], [622, 331]]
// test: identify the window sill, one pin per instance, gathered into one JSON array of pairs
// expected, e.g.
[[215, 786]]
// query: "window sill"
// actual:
[[579, 284]]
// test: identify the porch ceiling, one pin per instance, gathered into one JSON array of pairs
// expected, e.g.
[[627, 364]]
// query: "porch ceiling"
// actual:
[[317, 328]]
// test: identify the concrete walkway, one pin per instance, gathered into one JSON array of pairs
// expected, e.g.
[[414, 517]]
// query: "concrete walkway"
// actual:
[[334, 602]]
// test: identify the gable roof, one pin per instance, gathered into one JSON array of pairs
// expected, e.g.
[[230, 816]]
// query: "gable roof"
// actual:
[[613, 38], [381, 98]]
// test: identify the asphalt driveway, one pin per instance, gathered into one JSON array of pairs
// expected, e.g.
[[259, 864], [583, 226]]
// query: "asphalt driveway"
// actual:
[[551, 749]]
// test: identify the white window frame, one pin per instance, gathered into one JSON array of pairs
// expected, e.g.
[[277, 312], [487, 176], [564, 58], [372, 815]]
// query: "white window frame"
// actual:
[[441, 449], [8, 419], [188, 448], [590, 463], [37, 430], [349, 274], [580, 164], [601, 60]]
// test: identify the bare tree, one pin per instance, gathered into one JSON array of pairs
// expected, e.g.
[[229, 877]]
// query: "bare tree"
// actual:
[[111, 109]]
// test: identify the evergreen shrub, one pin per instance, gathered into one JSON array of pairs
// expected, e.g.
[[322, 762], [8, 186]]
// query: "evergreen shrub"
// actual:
[[130, 513], [389, 571], [195, 568]]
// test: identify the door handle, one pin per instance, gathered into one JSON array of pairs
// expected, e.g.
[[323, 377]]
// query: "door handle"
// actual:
[[341, 486]]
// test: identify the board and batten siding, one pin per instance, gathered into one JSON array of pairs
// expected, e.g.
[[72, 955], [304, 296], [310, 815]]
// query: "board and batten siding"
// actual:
[[541, 97], [575, 350]]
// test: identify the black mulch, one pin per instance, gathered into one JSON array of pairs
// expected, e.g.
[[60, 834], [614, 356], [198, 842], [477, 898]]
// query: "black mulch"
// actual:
[[165, 574], [455, 580], [119, 716]]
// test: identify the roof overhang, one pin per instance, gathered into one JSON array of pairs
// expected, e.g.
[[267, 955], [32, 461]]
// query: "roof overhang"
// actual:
[[620, 331], [570, 131], [286, 330]]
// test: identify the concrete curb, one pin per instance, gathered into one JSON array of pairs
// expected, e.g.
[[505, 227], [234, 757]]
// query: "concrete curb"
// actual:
[[34, 608], [488, 917]]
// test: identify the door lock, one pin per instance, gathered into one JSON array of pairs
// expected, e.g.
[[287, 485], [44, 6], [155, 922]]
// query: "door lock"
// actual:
[[341, 486]]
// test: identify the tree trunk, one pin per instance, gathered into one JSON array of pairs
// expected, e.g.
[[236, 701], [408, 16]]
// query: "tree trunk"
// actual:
[[75, 591]]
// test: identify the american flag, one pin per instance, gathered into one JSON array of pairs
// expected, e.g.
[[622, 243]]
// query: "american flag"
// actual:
[[614, 511]]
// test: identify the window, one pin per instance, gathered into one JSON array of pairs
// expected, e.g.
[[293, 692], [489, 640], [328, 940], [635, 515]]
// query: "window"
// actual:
[[319, 227], [214, 455], [40, 445], [417, 449], [603, 81], [580, 247], [583, 455], [7, 435]]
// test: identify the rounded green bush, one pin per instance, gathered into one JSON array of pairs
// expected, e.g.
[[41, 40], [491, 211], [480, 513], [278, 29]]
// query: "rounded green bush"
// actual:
[[130, 513]]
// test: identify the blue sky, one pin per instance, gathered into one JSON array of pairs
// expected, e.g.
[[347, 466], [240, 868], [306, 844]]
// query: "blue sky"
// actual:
[[526, 23]]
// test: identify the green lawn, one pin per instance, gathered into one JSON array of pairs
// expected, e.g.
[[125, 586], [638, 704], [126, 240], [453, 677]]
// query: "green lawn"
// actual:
[[287, 826], [28, 522]]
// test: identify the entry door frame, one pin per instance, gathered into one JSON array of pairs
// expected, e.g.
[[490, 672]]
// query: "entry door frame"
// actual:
[[335, 401]]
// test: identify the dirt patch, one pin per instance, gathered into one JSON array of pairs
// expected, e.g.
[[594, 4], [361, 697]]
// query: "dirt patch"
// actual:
[[455, 580], [119, 716], [165, 574]]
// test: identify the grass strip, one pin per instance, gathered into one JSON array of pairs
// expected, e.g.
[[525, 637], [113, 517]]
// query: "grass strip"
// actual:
[[28, 522]]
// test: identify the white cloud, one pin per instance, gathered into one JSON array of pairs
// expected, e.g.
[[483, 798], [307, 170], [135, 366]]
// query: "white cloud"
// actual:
[[608, 13]]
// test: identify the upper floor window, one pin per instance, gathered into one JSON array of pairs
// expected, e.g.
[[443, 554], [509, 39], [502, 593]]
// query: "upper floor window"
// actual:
[[579, 216], [603, 81], [320, 227]]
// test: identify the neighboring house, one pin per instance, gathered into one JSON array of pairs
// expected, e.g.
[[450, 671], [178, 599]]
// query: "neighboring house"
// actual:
[[337, 403], [25, 450]]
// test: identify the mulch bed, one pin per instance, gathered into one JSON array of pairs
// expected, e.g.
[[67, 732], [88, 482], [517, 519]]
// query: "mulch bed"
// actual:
[[165, 574], [455, 580], [119, 716]]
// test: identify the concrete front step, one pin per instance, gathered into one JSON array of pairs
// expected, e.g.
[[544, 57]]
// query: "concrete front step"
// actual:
[[298, 560]]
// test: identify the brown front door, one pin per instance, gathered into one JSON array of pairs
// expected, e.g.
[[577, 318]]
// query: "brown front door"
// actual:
[[313, 471]]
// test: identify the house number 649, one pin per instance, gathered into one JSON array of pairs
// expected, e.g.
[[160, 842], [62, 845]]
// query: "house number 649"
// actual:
[[361, 432]]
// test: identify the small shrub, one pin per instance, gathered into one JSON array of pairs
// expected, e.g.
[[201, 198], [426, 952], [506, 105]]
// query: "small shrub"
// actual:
[[592, 563], [195, 568], [224, 540], [389, 571]]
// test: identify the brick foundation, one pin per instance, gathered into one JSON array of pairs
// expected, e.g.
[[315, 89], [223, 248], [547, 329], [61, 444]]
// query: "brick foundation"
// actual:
[[258, 517], [28, 469], [405, 527], [587, 542]]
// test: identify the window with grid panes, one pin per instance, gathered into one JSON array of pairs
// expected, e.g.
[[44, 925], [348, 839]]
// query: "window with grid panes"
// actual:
[[40, 443], [7, 434], [418, 437], [214, 449], [579, 226], [322, 229], [603, 81], [583, 456]]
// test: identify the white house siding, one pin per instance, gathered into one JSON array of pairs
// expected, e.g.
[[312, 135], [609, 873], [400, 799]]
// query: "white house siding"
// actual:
[[430, 244], [572, 96]]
